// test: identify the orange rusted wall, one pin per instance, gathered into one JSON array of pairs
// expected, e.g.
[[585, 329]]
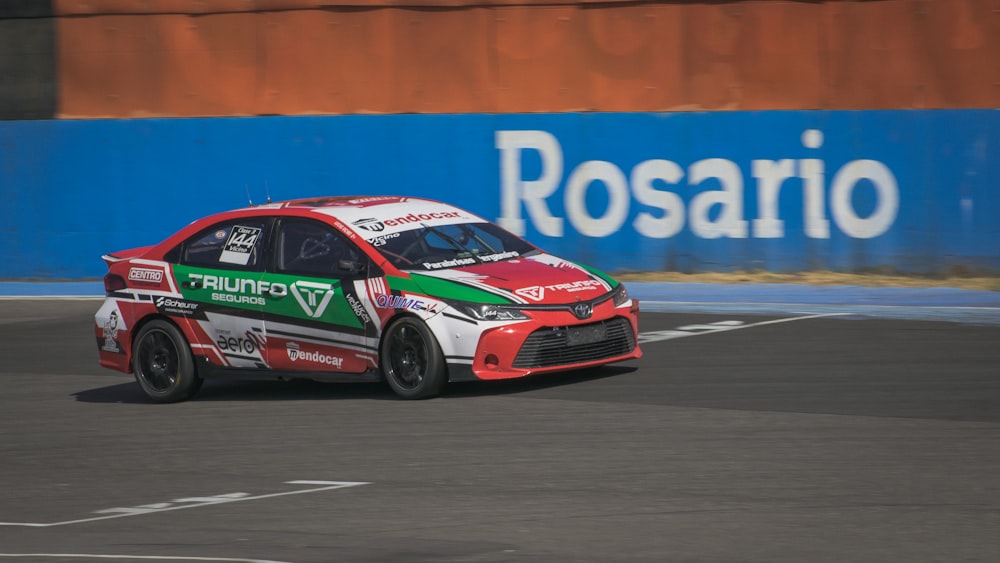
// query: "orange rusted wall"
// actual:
[[128, 58]]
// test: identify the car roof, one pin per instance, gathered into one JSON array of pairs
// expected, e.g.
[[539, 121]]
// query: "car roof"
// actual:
[[394, 210], [389, 212], [357, 202]]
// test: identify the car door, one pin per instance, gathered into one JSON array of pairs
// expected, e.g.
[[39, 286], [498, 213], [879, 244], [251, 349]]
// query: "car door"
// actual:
[[219, 269], [323, 323]]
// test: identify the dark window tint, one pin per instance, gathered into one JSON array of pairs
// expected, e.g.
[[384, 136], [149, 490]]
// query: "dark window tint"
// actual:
[[233, 245], [310, 248]]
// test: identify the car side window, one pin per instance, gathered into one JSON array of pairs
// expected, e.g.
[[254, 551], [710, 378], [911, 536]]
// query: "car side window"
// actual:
[[232, 245], [311, 248]]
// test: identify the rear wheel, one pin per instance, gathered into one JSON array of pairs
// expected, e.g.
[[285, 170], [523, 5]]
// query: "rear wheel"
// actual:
[[411, 360], [162, 363]]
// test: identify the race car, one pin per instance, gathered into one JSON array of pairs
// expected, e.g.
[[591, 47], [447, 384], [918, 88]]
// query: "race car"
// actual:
[[412, 291]]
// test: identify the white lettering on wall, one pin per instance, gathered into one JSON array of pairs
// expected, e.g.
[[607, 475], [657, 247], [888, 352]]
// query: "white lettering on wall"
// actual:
[[576, 194], [885, 188], [672, 220], [730, 222], [771, 174], [533, 193], [711, 213]]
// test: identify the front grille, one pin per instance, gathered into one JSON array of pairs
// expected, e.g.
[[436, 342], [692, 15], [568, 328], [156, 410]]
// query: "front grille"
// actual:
[[549, 347]]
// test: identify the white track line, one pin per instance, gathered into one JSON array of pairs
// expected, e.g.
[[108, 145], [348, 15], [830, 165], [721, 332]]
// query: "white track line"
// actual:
[[331, 485], [658, 335], [784, 305]]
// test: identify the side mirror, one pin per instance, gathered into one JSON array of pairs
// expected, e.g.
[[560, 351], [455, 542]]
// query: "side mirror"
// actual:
[[351, 266]]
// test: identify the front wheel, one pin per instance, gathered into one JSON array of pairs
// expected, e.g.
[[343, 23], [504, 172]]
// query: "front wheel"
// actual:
[[411, 360], [162, 363]]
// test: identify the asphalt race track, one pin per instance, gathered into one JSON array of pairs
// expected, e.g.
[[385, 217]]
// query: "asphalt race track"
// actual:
[[737, 437]]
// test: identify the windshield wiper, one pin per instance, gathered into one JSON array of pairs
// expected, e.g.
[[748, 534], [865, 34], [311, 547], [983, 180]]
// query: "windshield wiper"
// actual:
[[472, 234], [454, 243]]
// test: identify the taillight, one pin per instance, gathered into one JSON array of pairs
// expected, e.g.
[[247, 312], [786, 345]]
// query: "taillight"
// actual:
[[113, 282]]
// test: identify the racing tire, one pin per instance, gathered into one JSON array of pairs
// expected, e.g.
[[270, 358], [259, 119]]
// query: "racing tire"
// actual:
[[163, 364], [411, 359]]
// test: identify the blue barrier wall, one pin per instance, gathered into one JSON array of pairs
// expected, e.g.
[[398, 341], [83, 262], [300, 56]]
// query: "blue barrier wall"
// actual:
[[784, 191]]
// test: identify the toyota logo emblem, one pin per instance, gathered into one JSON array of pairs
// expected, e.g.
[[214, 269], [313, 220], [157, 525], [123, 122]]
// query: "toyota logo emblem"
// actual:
[[582, 310]]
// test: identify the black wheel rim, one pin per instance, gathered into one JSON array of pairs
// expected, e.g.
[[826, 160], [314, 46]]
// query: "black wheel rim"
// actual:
[[158, 360], [407, 357]]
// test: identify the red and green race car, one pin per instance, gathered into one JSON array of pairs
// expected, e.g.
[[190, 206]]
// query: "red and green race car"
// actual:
[[412, 291]]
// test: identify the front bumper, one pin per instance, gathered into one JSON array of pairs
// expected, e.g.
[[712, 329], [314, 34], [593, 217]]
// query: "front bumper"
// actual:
[[554, 341]]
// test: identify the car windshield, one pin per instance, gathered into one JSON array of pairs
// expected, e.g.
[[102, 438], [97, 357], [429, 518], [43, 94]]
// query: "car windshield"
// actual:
[[452, 246]]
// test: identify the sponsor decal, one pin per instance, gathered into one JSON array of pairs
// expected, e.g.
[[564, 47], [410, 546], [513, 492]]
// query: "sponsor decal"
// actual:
[[248, 343], [537, 292], [374, 225], [419, 217], [370, 224], [237, 290], [398, 302], [111, 328], [375, 199], [239, 299], [358, 308], [384, 301], [448, 263], [296, 353], [583, 285], [176, 306], [499, 256], [380, 240], [313, 297], [145, 275], [239, 247], [343, 229]]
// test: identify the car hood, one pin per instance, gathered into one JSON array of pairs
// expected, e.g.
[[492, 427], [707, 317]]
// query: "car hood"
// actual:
[[540, 279]]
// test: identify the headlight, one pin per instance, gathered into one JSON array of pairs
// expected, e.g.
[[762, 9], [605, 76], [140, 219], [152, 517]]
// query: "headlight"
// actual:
[[485, 312], [620, 295]]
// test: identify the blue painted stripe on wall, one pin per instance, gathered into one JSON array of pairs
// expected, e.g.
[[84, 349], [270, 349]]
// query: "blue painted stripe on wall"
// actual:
[[642, 191]]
